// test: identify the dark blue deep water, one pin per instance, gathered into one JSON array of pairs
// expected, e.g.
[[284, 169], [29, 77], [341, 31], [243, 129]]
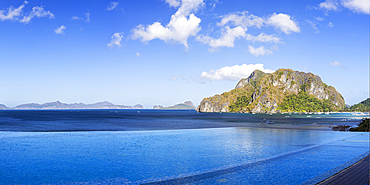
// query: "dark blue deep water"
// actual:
[[131, 120], [173, 147]]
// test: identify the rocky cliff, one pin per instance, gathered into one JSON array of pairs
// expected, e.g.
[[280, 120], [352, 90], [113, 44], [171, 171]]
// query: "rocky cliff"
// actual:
[[263, 93]]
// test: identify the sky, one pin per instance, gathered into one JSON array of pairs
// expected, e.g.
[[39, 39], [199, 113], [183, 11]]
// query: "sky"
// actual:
[[164, 52]]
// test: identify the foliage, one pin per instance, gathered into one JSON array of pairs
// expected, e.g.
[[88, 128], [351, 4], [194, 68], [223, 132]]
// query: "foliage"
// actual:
[[363, 106], [363, 126], [240, 104], [303, 102]]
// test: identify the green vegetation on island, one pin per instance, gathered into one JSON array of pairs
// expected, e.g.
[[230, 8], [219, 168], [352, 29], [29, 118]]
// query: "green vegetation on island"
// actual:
[[363, 126], [363, 106], [303, 102], [284, 90]]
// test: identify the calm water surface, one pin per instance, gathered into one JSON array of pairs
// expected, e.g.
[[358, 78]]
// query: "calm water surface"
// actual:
[[131, 147]]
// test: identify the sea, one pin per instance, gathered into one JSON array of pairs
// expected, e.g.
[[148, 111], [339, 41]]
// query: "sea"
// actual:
[[148, 146]]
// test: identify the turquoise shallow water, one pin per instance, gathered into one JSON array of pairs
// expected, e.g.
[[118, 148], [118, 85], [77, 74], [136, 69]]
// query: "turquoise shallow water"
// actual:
[[196, 156]]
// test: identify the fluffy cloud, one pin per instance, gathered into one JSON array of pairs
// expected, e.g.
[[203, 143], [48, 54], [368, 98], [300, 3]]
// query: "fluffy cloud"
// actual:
[[12, 13], [279, 21], [36, 12], [330, 24], [138, 54], [259, 51], [116, 40], [16, 14], [112, 5], [60, 30], [227, 39], [283, 22], [240, 23], [183, 24], [358, 6], [234, 73], [336, 63]]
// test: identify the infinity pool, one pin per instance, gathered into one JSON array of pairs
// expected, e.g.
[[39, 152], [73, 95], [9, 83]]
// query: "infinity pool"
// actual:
[[194, 156]]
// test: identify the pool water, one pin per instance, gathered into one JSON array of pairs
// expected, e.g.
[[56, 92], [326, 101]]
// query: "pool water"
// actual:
[[234, 155]]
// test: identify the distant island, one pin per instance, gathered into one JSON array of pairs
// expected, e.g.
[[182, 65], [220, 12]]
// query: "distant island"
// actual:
[[363, 106], [185, 105], [284, 90], [59, 105]]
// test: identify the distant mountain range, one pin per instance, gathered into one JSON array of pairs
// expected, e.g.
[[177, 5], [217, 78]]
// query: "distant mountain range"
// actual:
[[185, 105], [3, 106], [59, 105]]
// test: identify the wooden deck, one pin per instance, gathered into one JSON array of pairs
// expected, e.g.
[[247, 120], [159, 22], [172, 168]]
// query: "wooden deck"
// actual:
[[357, 174]]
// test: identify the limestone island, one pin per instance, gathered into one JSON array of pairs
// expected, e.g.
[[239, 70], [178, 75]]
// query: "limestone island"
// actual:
[[284, 90]]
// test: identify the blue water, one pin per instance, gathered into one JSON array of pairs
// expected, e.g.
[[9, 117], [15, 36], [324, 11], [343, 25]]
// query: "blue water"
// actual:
[[131, 147]]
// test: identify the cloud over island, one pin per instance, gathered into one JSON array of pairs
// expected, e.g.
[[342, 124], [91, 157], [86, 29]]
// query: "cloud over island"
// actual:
[[233, 73]]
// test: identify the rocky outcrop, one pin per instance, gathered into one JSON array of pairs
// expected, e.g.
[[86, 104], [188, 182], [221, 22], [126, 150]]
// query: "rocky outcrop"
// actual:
[[263, 92], [209, 106]]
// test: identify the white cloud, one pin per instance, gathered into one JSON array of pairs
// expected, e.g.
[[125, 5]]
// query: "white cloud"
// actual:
[[283, 22], [183, 24], [112, 5], [36, 12], [230, 34], [138, 54], [116, 40], [60, 30], [234, 73], [336, 63], [87, 17], [242, 19], [227, 39], [259, 51], [12, 13], [263, 37], [280, 21], [329, 5], [319, 19], [16, 14], [330, 24], [358, 6], [75, 18], [365, 92], [173, 3], [313, 25]]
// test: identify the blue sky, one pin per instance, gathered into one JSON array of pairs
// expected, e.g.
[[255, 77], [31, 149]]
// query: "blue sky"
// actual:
[[163, 52]]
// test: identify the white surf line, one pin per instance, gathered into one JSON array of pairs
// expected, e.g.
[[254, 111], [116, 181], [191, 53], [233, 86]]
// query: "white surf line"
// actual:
[[203, 174]]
